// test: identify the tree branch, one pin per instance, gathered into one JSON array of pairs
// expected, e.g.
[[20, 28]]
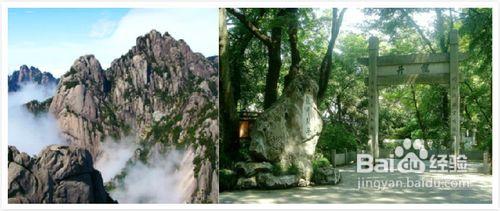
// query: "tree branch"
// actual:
[[419, 30], [237, 52], [477, 102], [250, 26]]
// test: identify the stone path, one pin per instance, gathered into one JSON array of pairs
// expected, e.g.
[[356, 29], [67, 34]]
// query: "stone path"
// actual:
[[347, 191]]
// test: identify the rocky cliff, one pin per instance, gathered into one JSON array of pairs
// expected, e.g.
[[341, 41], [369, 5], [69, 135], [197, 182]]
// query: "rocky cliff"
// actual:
[[59, 174], [160, 92], [27, 74]]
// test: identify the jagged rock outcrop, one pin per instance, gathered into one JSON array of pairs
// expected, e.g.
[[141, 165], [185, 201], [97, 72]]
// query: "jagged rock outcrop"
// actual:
[[159, 91], [59, 174], [32, 74], [77, 101]]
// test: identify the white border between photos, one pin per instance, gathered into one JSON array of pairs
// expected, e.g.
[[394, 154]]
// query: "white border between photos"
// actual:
[[231, 3]]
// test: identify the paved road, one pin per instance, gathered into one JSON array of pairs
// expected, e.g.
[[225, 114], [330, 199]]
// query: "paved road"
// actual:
[[479, 190]]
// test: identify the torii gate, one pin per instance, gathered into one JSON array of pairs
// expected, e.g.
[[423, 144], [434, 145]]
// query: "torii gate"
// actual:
[[437, 68]]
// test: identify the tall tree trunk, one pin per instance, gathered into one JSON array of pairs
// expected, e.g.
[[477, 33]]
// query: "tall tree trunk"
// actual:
[[237, 64], [273, 74], [293, 26], [339, 108], [227, 105], [274, 63], [419, 117], [326, 64], [440, 30], [273, 45]]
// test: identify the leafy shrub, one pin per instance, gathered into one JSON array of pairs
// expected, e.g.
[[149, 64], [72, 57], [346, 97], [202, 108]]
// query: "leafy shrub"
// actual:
[[70, 84], [278, 170], [336, 137], [161, 70], [320, 161], [228, 179], [70, 72], [293, 170]]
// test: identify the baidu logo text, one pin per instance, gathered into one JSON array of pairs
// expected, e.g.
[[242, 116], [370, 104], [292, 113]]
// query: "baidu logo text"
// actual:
[[410, 159]]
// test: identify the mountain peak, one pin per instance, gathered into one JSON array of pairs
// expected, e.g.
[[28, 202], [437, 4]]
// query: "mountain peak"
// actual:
[[87, 61], [24, 68], [30, 74], [158, 89], [153, 32]]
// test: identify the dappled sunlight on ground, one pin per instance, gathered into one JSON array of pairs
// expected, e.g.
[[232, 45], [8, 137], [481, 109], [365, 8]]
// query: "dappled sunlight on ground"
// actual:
[[347, 191]]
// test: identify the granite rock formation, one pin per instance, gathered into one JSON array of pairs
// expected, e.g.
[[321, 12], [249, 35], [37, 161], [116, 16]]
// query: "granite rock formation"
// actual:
[[286, 134], [59, 174], [159, 91]]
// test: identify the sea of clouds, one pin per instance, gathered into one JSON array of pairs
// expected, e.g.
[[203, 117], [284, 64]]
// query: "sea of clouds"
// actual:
[[27, 132], [165, 178]]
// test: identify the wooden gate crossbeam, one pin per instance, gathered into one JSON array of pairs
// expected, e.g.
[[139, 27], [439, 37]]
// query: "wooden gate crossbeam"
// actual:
[[413, 59]]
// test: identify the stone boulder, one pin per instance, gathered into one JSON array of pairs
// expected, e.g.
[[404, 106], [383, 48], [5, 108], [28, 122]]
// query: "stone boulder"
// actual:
[[326, 175], [246, 183], [59, 174], [286, 134], [270, 181], [252, 168]]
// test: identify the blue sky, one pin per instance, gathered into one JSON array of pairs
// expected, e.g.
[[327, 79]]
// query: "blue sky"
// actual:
[[52, 39]]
